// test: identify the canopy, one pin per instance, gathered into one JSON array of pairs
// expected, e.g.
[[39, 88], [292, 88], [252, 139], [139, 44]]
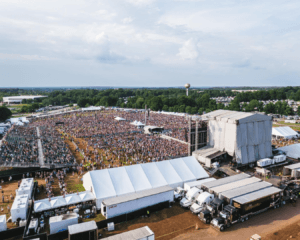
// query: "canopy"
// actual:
[[284, 132], [292, 151], [108, 183], [69, 199], [120, 119]]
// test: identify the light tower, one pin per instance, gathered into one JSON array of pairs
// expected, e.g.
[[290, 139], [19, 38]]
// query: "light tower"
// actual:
[[187, 86]]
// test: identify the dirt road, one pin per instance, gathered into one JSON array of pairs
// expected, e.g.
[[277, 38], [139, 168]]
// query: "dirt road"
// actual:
[[265, 224]]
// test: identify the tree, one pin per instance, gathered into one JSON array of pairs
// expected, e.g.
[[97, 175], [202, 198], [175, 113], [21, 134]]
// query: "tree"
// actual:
[[156, 103], [188, 109], [269, 108], [194, 110], [165, 108], [5, 113]]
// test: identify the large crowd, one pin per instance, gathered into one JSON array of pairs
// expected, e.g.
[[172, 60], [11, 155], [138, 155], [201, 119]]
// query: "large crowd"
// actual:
[[20, 146], [108, 142]]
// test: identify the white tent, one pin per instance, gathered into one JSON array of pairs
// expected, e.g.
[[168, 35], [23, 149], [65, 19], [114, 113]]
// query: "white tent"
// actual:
[[292, 151], [284, 132], [114, 182], [69, 199], [120, 119], [3, 225], [154, 175]]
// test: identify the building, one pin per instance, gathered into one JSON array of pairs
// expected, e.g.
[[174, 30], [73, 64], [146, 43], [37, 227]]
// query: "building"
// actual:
[[292, 151], [143, 233], [246, 137], [19, 99], [113, 182]]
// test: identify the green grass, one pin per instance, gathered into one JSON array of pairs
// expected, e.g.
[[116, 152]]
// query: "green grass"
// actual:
[[76, 187]]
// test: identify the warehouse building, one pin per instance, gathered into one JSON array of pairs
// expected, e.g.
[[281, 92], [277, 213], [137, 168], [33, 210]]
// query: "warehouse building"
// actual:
[[246, 137], [109, 183], [19, 99]]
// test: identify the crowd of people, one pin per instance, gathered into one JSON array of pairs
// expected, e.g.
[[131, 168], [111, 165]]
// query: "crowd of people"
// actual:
[[55, 149], [114, 141], [20, 146], [108, 141]]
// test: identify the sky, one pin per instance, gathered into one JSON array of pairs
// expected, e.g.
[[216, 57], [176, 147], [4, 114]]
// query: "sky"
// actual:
[[149, 43]]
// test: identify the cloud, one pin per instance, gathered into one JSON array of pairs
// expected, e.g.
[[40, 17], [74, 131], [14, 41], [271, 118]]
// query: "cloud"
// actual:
[[127, 20], [189, 50]]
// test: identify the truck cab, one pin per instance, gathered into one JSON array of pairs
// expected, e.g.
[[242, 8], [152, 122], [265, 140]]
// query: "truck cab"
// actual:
[[201, 202], [190, 197], [206, 215], [179, 193], [228, 216]]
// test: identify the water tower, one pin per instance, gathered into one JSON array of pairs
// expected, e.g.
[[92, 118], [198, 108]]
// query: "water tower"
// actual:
[[187, 86]]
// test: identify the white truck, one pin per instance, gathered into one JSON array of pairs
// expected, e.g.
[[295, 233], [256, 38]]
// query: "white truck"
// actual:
[[201, 202], [179, 193], [190, 197]]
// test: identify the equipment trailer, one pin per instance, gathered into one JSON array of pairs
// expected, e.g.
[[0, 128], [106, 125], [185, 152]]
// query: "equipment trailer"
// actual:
[[246, 206]]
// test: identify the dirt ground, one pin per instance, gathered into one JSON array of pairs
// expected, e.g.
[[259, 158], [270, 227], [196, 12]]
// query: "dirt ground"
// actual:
[[166, 224]]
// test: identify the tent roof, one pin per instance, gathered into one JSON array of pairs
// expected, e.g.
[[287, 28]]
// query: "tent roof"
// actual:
[[114, 182], [138, 177], [3, 218], [235, 117], [154, 175], [292, 151], [286, 132], [74, 198]]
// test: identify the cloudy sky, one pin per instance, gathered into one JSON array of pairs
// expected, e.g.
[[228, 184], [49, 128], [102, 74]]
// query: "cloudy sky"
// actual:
[[149, 42]]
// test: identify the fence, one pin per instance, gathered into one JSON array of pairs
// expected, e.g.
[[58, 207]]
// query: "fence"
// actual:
[[10, 233]]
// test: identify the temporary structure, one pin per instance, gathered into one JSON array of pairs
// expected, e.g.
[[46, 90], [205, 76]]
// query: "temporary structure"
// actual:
[[120, 119], [3, 225], [108, 183], [292, 151], [26, 187], [19, 208], [244, 136], [61, 201], [284, 132]]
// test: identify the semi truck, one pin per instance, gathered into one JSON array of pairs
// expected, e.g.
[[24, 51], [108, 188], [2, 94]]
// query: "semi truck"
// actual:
[[291, 190], [190, 197], [211, 210], [202, 201], [248, 205], [179, 193]]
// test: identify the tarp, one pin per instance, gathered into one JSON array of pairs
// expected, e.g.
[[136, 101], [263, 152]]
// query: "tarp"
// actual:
[[292, 151], [247, 136], [285, 132]]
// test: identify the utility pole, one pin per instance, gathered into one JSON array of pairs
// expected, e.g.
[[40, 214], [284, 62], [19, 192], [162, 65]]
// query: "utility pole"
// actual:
[[196, 142], [145, 115], [190, 132]]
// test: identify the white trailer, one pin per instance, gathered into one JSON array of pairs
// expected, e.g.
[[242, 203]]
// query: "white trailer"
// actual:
[[189, 185], [190, 197], [144, 233], [19, 208], [229, 195], [265, 162], [61, 222], [26, 187], [116, 206], [208, 185], [233, 185], [3, 225]]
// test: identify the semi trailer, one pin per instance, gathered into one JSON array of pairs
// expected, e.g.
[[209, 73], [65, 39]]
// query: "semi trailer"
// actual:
[[209, 185], [291, 190], [248, 205]]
